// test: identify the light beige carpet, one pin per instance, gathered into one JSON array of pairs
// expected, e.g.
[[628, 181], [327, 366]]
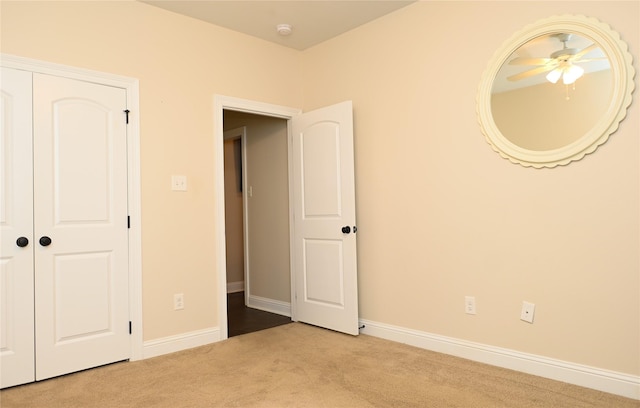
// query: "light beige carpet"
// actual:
[[297, 365]]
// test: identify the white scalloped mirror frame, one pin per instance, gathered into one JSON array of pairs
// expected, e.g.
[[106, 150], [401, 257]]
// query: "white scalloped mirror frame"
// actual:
[[621, 63]]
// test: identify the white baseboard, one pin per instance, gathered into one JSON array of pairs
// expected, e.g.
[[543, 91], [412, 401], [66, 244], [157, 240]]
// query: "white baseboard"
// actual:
[[270, 305], [603, 380], [233, 287], [180, 342], [171, 344]]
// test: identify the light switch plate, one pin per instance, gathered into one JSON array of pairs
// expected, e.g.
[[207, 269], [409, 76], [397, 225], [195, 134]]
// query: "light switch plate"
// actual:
[[470, 305]]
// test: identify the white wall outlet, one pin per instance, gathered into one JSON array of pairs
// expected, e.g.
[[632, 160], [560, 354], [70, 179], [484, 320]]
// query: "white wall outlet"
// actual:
[[527, 312], [470, 305], [178, 301], [179, 183]]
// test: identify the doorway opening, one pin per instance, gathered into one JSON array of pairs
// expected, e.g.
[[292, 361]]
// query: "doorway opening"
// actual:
[[256, 222], [224, 104], [320, 187]]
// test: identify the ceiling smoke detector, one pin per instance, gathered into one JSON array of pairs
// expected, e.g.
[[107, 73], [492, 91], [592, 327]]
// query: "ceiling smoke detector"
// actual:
[[284, 29]]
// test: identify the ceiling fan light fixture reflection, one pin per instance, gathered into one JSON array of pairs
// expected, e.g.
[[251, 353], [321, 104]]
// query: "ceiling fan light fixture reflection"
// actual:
[[569, 73], [554, 75]]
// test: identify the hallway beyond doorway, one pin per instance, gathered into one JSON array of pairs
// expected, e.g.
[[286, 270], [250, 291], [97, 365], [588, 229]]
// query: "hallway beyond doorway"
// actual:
[[243, 319]]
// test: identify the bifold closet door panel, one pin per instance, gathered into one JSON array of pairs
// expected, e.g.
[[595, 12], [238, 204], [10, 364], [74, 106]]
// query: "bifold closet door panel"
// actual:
[[16, 229], [80, 213]]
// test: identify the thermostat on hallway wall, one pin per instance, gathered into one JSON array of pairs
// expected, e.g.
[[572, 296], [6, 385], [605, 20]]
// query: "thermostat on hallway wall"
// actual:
[[179, 183]]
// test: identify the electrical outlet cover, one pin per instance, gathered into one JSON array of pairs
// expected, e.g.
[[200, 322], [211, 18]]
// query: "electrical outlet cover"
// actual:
[[178, 301], [179, 183], [527, 312]]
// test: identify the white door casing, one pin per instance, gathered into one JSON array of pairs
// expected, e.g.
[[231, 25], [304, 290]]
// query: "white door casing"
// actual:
[[241, 134], [220, 103], [80, 196], [16, 221], [324, 238]]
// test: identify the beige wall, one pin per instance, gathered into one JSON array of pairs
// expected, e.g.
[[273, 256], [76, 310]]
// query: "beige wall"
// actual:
[[268, 205], [181, 63], [440, 215]]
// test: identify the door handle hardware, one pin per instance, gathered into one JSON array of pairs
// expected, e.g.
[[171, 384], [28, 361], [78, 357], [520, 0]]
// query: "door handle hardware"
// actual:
[[45, 241], [355, 229], [22, 242], [346, 230]]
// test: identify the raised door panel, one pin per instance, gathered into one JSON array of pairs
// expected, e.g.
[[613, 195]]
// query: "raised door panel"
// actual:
[[320, 165], [323, 272]]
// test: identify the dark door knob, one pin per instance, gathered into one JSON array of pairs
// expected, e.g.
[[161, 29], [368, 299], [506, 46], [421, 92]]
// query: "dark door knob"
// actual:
[[346, 230], [22, 242], [45, 241]]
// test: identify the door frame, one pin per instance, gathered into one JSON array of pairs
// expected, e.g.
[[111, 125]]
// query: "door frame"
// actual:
[[240, 133], [131, 85], [220, 103]]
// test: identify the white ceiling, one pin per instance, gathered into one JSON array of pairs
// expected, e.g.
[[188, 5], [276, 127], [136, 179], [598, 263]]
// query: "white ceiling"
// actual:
[[313, 21]]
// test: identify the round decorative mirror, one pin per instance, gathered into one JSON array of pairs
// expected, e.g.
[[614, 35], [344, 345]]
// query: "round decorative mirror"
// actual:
[[555, 91]]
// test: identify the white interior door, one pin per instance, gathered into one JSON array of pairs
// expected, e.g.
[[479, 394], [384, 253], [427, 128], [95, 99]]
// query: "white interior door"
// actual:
[[80, 185], [324, 240], [16, 230]]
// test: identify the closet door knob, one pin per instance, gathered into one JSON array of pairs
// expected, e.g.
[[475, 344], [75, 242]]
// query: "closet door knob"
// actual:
[[346, 230], [45, 241], [22, 242]]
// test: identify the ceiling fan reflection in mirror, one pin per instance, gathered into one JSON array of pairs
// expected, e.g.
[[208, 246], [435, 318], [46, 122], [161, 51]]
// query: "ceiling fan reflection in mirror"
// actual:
[[560, 64], [610, 89]]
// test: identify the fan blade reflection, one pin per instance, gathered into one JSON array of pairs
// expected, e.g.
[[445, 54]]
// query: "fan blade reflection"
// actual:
[[532, 72], [530, 61], [585, 51]]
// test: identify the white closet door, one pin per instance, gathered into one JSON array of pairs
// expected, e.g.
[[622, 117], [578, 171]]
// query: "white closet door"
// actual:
[[80, 177], [16, 222]]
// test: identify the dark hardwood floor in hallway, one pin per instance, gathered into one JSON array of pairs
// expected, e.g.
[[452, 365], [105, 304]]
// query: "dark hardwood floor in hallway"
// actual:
[[242, 319]]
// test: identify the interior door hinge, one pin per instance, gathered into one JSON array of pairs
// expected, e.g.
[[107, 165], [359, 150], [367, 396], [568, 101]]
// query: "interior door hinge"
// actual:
[[126, 111], [128, 221], [130, 330]]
